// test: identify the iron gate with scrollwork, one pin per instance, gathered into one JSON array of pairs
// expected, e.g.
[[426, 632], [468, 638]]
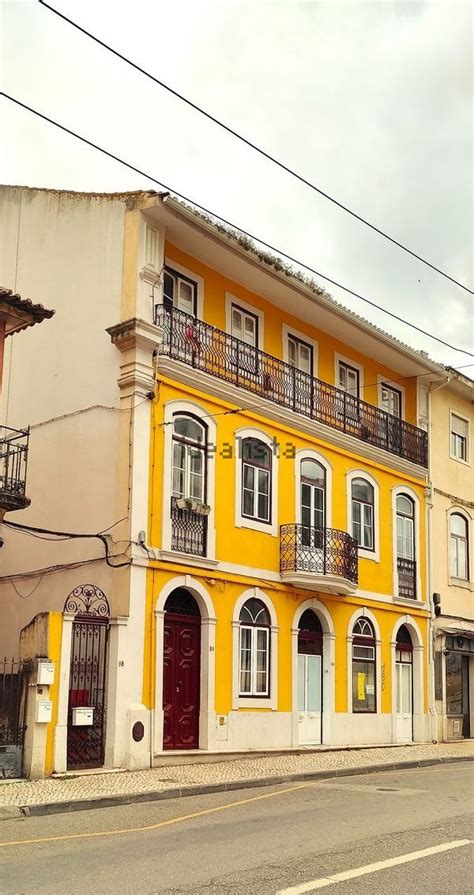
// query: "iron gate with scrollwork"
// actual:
[[87, 677]]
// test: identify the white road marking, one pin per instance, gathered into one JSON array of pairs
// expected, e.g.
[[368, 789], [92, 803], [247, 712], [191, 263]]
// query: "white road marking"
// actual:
[[372, 868]]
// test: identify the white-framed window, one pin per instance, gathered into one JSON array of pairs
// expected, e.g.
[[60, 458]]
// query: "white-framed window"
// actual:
[[405, 534], [459, 546], [189, 458], [244, 325], [459, 438], [362, 491], [256, 480], [348, 379], [364, 696], [254, 649], [391, 399], [300, 354], [363, 499], [179, 291]]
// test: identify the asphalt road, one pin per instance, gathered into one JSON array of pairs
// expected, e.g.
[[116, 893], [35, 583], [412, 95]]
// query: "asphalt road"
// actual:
[[296, 837]]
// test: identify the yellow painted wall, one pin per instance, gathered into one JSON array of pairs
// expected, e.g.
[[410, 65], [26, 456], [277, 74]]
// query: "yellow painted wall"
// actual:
[[224, 590], [55, 630]]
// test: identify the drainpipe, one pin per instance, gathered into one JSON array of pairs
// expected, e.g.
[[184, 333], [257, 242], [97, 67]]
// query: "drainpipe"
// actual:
[[429, 524]]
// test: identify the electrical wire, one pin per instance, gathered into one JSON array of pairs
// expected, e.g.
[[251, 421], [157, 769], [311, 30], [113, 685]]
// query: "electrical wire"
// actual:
[[27, 529], [253, 146], [257, 239]]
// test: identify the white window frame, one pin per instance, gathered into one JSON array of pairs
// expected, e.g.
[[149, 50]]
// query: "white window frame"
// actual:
[[191, 275], [255, 491], [396, 491], [254, 631], [453, 580], [246, 701], [467, 461], [290, 332], [241, 521], [385, 381], [230, 300], [172, 408], [364, 612], [309, 454], [188, 447], [374, 554], [340, 359]]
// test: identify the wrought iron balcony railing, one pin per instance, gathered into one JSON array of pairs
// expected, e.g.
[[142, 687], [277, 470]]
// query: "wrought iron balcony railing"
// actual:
[[13, 465], [213, 351], [406, 578], [188, 530], [320, 551]]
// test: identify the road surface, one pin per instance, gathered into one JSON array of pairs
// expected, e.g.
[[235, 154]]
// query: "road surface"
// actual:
[[339, 835]]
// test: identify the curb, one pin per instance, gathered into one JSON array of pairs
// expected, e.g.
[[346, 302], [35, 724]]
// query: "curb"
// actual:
[[198, 790]]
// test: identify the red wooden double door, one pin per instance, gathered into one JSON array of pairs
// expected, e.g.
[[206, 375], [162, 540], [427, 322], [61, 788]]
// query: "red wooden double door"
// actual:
[[181, 681]]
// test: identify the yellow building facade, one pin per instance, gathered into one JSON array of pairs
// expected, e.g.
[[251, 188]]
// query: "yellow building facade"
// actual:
[[284, 462]]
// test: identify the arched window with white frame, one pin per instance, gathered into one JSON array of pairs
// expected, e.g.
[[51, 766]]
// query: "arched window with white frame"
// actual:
[[189, 509], [406, 563], [363, 667], [459, 549], [254, 649]]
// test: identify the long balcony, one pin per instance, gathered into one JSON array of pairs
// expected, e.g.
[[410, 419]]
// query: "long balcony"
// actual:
[[13, 465], [213, 351], [321, 559]]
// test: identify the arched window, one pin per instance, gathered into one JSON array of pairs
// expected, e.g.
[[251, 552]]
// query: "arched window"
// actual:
[[459, 546], [363, 666], [181, 602], [406, 566], [310, 634], [404, 647], [254, 662], [256, 480], [362, 501], [189, 458]]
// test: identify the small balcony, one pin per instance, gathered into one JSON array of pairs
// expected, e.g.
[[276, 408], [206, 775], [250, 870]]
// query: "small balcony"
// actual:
[[13, 464], [188, 530], [320, 559], [212, 351], [406, 569]]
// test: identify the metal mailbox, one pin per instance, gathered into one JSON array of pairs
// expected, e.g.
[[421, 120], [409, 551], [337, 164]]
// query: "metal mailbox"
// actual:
[[45, 673], [83, 716]]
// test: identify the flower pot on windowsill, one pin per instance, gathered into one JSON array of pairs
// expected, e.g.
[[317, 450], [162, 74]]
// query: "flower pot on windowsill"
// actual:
[[204, 509], [182, 503]]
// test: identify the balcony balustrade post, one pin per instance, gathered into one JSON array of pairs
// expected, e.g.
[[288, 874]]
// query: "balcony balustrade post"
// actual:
[[345, 409]]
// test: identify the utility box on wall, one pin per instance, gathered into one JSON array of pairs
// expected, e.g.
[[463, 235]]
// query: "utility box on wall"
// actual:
[[44, 711], [83, 717], [45, 673]]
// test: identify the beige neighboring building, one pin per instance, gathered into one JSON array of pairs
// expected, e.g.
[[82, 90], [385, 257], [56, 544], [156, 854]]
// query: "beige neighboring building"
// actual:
[[452, 554]]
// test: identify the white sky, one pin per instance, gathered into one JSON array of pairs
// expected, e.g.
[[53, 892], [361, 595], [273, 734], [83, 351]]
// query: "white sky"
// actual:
[[371, 101]]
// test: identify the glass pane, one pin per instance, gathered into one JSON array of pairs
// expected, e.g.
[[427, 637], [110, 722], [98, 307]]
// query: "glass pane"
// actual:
[[314, 683], [305, 495], [261, 663], [405, 681], [249, 476], [404, 505], [186, 297], [245, 660], [458, 426], [356, 511], [458, 525], [363, 686], [291, 352], [236, 323], [168, 286], [362, 490], [178, 484], [305, 359], [248, 503], [186, 427], [312, 470], [301, 683], [263, 481], [263, 507]]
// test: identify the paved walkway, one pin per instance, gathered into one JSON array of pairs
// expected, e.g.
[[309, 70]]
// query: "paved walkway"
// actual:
[[131, 783]]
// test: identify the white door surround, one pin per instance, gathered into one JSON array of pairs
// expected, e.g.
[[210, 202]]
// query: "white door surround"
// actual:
[[327, 670]]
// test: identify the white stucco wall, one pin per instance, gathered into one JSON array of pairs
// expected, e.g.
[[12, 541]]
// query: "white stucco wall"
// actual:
[[65, 251]]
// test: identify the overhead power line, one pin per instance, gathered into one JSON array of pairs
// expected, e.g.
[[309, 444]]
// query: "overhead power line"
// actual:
[[254, 146], [218, 217]]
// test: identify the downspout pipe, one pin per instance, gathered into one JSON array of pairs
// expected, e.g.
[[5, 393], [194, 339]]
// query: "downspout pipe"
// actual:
[[429, 522]]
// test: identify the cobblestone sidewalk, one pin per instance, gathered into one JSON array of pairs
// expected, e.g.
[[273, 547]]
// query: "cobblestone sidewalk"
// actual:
[[131, 783]]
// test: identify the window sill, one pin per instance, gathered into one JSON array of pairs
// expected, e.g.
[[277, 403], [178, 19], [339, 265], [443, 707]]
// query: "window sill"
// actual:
[[265, 703], [410, 601], [460, 582], [460, 460], [191, 559], [371, 555], [267, 528]]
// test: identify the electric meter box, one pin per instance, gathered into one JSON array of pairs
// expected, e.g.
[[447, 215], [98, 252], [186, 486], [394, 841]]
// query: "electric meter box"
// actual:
[[44, 711], [82, 717], [45, 673]]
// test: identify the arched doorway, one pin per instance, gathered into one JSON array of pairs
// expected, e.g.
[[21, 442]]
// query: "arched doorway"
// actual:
[[310, 651], [404, 685], [87, 704], [181, 671]]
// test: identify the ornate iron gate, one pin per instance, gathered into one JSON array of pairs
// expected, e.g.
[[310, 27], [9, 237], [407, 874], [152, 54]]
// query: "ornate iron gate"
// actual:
[[87, 677], [13, 692]]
